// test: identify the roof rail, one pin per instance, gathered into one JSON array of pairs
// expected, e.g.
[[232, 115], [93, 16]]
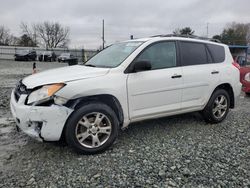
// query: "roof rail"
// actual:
[[189, 36]]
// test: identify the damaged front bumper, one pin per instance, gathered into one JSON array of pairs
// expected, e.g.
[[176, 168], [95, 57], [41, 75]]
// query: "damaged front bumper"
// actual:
[[40, 122]]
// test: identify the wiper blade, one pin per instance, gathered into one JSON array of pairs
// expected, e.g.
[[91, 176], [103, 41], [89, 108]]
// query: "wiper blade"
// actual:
[[90, 65]]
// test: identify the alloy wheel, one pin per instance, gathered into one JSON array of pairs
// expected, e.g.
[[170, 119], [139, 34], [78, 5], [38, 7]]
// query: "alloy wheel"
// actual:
[[220, 106], [93, 130]]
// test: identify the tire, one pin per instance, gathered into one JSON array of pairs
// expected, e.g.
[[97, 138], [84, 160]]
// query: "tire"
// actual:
[[82, 123], [247, 94], [218, 103]]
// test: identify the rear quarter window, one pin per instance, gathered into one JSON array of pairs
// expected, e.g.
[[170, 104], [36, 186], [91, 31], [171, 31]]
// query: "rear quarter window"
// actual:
[[217, 52]]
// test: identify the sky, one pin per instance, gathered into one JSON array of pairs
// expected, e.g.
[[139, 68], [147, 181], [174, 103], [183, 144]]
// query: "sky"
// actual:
[[140, 18]]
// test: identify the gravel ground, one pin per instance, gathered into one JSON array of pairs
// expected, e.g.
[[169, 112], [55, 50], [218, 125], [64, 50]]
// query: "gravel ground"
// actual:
[[179, 151]]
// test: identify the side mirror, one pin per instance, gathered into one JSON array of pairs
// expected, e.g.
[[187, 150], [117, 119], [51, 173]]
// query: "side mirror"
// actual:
[[141, 66]]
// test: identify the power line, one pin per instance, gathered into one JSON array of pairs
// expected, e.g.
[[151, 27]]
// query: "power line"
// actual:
[[103, 41]]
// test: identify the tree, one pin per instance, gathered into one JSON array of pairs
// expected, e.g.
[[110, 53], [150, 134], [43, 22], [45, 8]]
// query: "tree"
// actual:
[[217, 37], [25, 40], [52, 34], [236, 34], [5, 37], [29, 33], [184, 31]]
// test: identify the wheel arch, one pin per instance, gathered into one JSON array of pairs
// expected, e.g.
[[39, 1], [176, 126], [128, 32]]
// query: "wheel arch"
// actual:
[[229, 89], [107, 99]]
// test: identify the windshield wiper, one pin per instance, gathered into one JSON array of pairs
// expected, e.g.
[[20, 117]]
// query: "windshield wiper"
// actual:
[[90, 65]]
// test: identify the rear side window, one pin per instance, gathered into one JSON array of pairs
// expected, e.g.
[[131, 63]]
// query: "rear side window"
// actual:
[[193, 53], [218, 52]]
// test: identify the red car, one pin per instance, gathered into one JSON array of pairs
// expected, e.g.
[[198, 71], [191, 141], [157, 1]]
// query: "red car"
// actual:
[[245, 79]]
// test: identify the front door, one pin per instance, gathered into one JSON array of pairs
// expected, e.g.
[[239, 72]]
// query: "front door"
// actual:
[[157, 91]]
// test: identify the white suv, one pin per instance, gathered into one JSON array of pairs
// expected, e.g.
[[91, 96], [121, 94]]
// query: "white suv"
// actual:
[[127, 82]]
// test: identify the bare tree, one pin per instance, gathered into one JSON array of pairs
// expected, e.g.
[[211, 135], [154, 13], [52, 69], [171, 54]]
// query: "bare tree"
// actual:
[[30, 32], [52, 34], [5, 37]]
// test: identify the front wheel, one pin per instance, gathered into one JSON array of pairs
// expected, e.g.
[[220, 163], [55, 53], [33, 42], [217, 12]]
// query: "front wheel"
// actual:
[[217, 107], [247, 94], [92, 128]]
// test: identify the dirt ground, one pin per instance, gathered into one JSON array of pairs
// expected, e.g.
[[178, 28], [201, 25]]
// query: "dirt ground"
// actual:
[[10, 73], [179, 151]]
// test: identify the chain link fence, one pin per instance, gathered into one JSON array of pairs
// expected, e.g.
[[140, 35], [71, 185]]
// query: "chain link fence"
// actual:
[[8, 52]]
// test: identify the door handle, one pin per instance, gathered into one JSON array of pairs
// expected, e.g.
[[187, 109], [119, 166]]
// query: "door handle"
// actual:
[[176, 76], [215, 72]]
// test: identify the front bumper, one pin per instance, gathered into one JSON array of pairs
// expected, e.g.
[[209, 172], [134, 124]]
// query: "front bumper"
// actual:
[[245, 86], [40, 122]]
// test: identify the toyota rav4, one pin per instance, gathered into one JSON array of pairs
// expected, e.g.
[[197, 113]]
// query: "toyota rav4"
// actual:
[[127, 82]]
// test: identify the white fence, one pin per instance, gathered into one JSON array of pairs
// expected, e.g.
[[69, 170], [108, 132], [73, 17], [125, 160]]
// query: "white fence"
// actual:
[[8, 52]]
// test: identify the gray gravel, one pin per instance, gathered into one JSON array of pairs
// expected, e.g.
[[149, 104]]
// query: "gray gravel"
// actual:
[[179, 151]]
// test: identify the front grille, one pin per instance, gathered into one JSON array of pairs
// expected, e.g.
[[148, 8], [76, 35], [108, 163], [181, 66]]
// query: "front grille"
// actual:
[[20, 89]]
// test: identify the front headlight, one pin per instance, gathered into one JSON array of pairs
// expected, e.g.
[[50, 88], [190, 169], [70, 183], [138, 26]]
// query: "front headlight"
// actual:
[[45, 93], [247, 77]]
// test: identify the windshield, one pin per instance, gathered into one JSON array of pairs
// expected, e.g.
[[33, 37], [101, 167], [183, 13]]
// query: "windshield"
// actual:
[[114, 55]]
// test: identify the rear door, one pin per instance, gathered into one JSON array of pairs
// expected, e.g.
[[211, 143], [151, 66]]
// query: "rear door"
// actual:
[[200, 74]]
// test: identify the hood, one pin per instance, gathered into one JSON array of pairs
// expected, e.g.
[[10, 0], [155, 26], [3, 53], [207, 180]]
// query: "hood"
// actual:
[[64, 74]]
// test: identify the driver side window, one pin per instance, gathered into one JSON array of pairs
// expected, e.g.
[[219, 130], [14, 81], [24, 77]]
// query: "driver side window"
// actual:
[[160, 55]]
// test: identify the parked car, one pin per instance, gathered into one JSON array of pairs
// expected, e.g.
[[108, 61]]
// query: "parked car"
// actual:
[[241, 60], [245, 79], [47, 56], [127, 82], [64, 57], [25, 55]]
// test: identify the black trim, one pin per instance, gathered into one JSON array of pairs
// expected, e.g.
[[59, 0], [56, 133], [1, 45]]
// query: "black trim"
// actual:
[[215, 72], [176, 76], [129, 69], [209, 55], [21, 89]]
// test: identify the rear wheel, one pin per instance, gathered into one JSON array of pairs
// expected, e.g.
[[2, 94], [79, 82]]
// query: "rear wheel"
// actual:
[[92, 128], [217, 107], [248, 94]]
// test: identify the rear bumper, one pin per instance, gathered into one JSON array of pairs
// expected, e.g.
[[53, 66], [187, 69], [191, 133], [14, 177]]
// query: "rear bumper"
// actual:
[[41, 123]]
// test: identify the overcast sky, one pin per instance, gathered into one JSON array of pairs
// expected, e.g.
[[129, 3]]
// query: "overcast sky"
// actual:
[[124, 17]]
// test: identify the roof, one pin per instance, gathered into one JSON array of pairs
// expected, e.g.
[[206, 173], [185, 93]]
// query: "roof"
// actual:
[[178, 37]]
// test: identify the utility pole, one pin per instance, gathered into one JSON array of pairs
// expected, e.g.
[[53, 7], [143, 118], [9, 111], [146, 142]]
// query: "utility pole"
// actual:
[[103, 41], [207, 29]]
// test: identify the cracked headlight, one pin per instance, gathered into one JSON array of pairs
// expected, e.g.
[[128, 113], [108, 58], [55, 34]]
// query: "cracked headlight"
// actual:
[[45, 93], [247, 77]]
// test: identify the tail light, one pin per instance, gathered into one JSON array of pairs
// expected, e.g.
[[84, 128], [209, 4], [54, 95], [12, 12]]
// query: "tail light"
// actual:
[[236, 65]]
